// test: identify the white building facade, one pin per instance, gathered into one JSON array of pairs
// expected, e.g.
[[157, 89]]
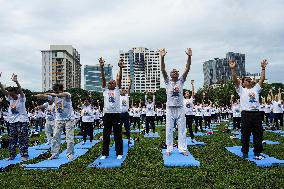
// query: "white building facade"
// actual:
[[61, 64], [143, 66]]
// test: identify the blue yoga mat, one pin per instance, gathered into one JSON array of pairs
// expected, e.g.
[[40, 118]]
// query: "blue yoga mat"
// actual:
[[177, 159], [111, 161], [197, 143], [87, 145], [56, 163], [32, 154], [44, 146], [266, 162], [276, 131], [136, 131], [239, 136], [152, 135], [200, 134], [97, 131]]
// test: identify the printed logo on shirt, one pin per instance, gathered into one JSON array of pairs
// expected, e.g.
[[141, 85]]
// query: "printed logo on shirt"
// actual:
[[124, 103], [175, 91], [188, 105], [111, 97], [279, 105], [252, 98], [14, 109], [59, 107], [207, 110]]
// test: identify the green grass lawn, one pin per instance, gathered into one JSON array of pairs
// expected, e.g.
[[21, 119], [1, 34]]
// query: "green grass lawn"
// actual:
[[143, 168]]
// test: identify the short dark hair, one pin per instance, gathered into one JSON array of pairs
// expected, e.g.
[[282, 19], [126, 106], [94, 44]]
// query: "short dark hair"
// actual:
[[57, 86], [13, 90], [245, 77]]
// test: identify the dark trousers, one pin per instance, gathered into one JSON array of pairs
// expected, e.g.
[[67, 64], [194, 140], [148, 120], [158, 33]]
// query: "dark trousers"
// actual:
[[111, 120], [278, 117], [96, 123], [88, 129], [39, 123], [207, 120], [236, 122], [150, 120], [19, 132], [251, 123], [198, 122], [136, 121], [159, 118], [188, 122], [124, 119]]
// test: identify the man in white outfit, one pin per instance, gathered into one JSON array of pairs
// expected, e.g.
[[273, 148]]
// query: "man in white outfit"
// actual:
[[175, 113]]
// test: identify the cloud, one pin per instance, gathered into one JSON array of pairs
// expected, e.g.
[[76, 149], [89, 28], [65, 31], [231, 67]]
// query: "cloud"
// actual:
[[102, 28]]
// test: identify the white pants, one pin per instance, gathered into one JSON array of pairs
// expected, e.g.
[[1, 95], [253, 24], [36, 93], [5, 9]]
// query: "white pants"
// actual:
[[176, 115], [56, 141], [49, 127]]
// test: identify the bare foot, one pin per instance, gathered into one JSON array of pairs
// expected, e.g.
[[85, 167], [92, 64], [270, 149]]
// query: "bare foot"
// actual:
[[168, 153], [185, 153]]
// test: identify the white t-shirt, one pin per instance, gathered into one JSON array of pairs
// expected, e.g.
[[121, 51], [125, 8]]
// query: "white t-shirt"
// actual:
[[277, 107], [236, 108], [143, 111], [159, 111], [63, 108], [124, 103], [131, 112], [249, 98], [150, 109], [207, 111], [136, 112], [188, 106], [198, 110], [267, 108], [49, 111], [17, 109], [96, 113], [174, 92], [213, 111], [87, 113], [111, 100]]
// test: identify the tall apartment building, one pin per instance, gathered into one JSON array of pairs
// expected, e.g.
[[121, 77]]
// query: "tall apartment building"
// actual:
[[92, 77], [218, 71], [61, 64], [143, 66]]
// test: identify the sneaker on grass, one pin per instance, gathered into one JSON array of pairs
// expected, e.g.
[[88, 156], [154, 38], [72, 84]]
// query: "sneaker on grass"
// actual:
[[119, 157]]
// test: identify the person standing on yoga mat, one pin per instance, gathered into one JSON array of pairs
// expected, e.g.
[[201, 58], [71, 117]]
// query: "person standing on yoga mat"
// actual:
[[150, 112], [18, 120], [64, 118], [175, 106], [87, 120], [124, 107], [277, 108], [112, 112], [250, 115], [188, 105]]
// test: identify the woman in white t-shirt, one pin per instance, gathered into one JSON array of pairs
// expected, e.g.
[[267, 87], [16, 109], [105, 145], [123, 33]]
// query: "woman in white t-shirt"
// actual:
[[277, 109], [87, 114], [18, 120], [150, 113]]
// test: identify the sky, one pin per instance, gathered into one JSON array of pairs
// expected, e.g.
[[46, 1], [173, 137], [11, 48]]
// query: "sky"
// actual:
[[103, 28]]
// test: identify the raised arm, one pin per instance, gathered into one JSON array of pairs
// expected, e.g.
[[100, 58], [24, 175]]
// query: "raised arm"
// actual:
[[163, 53], [118, 80], [102, 63], [63, 94], [263, 66], [232, 64], [192, 88], [187, 68], [279, 94], [15, 79], [271, 94]]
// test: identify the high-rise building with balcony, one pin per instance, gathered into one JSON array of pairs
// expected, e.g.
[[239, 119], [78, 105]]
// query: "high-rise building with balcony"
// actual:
[[143, 66], [92, 76], [61, 64], [217, 70]]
